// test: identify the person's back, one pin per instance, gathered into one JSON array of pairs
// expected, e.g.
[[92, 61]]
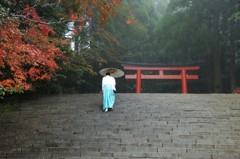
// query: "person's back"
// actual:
[[108, 88], [108, 80]]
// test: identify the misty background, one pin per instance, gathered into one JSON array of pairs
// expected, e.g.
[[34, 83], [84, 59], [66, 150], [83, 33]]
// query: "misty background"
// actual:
[[157, 33], [202, 33]]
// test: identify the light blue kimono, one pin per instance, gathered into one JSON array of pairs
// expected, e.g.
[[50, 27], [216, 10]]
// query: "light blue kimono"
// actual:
[[108, 97]]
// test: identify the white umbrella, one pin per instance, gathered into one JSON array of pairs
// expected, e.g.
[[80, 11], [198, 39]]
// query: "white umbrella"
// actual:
[[114, 72]]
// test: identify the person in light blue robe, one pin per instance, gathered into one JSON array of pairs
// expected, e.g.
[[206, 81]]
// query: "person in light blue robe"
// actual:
[[108, 88]]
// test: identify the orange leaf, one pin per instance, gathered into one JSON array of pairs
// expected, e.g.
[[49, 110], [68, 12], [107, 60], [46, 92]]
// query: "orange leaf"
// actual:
[[74, 17], [129, 21]]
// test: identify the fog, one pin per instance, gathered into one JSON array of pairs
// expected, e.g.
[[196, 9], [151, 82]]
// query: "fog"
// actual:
[[190, 33]]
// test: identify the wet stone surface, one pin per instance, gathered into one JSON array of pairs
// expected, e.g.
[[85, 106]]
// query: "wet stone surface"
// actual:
[[146, 126]]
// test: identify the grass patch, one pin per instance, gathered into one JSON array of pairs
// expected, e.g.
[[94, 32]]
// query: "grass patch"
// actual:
[[7, 107]]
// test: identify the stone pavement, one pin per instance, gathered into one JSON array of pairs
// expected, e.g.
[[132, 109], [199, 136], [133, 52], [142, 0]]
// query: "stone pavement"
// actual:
[[144, 126]]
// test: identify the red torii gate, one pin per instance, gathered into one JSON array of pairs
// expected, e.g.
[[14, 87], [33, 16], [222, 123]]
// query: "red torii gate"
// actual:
[[182, 76]]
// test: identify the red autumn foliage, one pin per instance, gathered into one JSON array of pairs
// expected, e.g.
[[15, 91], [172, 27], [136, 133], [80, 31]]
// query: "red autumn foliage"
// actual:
[[74, 17], [27, 55], [88, 9], [129, 21]]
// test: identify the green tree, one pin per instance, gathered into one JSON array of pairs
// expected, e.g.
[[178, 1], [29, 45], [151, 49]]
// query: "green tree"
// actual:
[[135, 30], [200, 31], [58, 13]]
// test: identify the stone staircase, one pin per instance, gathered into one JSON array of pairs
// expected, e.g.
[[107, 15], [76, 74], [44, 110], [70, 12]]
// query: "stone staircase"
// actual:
[[144, 126]]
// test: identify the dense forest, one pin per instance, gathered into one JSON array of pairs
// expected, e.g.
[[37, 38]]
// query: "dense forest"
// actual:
[[57, 46]]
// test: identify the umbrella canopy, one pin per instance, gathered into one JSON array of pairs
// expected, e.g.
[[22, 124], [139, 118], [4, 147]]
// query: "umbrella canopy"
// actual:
[[114, 72]]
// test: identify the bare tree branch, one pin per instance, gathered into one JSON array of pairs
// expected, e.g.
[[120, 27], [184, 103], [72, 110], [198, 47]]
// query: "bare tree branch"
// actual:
[[17, 9]]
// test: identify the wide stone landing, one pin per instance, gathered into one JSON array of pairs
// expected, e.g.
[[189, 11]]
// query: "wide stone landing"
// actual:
[[144, 126]]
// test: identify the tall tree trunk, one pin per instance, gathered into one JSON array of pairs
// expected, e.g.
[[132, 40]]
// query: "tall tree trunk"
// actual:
[[232, 70], [76, 39], [210, 70], [217, 51], [217, 72], [76, 43]]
